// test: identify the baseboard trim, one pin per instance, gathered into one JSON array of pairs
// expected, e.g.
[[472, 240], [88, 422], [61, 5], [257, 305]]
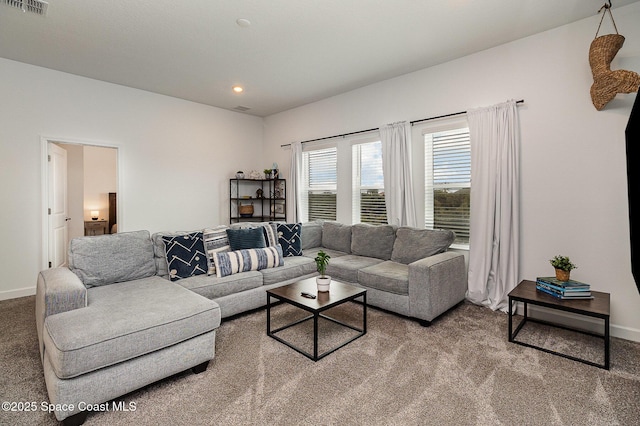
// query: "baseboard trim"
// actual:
[[592, 325], [14, 294]]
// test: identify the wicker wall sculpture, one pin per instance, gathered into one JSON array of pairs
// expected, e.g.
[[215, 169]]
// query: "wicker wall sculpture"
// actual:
[[607, 83]]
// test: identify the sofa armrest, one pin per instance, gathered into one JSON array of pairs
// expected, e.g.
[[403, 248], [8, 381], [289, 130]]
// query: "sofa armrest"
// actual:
[[58, 290], [436, 284]]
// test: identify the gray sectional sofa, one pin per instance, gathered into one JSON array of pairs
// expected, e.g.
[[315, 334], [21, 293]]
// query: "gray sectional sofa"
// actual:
[[113, 321]]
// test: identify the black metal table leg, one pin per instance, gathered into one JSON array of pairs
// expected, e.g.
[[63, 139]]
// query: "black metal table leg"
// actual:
[[268, 315], [606, 343], [315, 336], [364, 313], [510, 319]]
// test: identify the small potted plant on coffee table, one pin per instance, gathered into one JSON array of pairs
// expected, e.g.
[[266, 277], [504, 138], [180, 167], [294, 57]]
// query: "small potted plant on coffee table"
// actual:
[[323, 281], [563, 267]]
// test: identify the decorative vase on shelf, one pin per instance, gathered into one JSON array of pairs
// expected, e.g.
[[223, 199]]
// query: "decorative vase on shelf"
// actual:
[[324, 283], [240, 175], [562, 275]]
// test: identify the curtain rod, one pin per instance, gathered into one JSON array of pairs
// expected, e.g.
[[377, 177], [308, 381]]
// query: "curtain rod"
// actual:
[[374, 129]]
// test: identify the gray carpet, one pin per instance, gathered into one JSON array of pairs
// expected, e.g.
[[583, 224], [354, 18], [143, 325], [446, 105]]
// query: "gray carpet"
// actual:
[[460, 371]]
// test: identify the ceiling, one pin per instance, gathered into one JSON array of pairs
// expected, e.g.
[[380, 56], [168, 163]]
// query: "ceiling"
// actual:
[[293, 52]]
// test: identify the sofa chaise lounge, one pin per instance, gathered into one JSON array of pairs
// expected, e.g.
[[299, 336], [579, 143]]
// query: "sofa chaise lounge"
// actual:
[[115, 321]]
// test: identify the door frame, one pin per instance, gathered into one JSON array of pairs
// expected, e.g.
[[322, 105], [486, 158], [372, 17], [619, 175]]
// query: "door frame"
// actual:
[[44, 185]]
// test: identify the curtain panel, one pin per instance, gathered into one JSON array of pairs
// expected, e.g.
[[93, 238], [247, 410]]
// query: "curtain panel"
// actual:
[[495, 204], [396, 167], [294, 184]]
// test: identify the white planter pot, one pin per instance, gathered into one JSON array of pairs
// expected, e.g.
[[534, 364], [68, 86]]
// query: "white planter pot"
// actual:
[[323, 283]]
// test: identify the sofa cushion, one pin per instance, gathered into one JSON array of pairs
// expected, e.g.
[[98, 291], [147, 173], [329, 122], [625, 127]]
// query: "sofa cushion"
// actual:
[[311, 235], [345, 268], [294, 267], [185, 255], [248, 260], [373, 240], [108, 259], [212, 287], [215, 241], [248, 238], [313, 252], [336, 236], [391, 277], [123, 321], [413, 244], [289, 238]]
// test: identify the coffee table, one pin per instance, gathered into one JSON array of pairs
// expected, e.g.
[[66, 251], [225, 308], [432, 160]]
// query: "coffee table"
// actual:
[[339, 294]]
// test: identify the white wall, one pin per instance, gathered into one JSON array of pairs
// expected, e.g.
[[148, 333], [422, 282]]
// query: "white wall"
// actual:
[[573, 164], [175, 157]]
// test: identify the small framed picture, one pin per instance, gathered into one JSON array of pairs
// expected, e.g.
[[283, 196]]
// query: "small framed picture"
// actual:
[[278, 209]]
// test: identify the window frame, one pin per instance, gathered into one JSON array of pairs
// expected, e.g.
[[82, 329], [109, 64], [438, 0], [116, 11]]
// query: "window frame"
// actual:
[[306, 187], [356, 175], [428, 189]]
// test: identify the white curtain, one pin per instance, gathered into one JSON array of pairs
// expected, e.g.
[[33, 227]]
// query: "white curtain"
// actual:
[[396, 167], [495, 204], [293, 187]]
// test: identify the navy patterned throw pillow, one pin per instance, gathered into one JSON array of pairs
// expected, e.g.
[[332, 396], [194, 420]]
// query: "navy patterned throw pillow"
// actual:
[[289, 238], [186, 256]]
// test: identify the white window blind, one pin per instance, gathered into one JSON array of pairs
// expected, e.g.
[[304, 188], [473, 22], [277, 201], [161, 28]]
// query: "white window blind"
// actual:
[[320, 184], [368, 205], [448, 182]]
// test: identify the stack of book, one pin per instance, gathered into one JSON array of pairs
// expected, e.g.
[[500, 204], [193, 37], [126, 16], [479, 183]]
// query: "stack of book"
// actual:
[[563, 289]]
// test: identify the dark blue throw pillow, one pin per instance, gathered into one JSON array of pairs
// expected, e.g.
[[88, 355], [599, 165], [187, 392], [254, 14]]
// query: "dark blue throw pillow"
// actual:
[[289, 238], [185, 255], [241, 239]]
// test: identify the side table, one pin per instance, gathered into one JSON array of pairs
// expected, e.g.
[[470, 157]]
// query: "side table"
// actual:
[[598, 307], [95, 227]]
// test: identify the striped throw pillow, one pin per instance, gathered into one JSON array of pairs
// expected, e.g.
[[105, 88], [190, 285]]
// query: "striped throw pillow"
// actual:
[[215, 241], [233, 262]]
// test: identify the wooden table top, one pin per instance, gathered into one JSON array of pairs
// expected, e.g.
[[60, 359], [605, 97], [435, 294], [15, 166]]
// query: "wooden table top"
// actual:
[[526, 291], [338, 293]]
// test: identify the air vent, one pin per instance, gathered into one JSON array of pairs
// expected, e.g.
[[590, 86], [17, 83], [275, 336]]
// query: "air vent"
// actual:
[[38, 7], [242, 108]]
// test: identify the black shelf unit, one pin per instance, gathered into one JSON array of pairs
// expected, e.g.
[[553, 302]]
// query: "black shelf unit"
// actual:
[[271, 207]]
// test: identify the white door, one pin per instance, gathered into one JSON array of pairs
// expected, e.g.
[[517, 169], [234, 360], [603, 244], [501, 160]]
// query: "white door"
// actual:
[[58, 215]]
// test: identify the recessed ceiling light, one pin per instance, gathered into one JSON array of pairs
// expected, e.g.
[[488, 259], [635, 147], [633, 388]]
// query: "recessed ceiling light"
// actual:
[[238, 89], [244, 23]]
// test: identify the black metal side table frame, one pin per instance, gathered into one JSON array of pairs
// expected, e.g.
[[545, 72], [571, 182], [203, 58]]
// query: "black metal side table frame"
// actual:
[[316, 314], [567, 306]]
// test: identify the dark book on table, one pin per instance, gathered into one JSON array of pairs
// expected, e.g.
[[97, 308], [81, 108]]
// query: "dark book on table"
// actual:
[[563, 289], [561, 296], [563, 284], [561, 292]]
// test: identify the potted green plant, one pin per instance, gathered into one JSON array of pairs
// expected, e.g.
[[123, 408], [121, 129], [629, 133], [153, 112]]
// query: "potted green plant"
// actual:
[[267, 173], [563, 267], [323, 281]]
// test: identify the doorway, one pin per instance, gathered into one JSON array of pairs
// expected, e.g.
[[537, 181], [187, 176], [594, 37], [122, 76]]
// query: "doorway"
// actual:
[[80, 194]]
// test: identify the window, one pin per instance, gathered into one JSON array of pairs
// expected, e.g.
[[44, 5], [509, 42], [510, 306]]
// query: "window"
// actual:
[[318, 195], [448, 182], [368, 184]]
